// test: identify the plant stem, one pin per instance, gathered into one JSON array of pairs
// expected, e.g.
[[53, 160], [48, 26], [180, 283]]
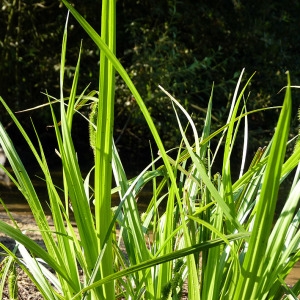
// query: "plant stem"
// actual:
[[103, 148]]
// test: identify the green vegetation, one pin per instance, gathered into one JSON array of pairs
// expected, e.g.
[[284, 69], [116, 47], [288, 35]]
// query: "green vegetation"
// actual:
[[217, 234]]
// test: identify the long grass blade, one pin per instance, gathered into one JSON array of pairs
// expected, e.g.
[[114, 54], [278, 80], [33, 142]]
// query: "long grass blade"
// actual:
[[162, 259], [256, 257]]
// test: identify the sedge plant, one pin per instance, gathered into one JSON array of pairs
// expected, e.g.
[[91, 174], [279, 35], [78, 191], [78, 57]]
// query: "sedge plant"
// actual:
[[82, 255], [202, 230]]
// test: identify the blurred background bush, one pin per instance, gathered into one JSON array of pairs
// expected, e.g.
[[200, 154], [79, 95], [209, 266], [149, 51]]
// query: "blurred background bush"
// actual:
[[185, 46]]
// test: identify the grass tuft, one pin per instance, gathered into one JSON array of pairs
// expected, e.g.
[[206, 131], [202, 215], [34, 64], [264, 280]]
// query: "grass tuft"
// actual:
[[204, 230]]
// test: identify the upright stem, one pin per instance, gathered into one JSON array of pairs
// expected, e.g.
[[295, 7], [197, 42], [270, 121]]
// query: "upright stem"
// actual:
[[103, 145]]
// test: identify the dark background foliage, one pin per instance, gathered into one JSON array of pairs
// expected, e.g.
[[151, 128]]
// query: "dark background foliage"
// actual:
[[185, 46]]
